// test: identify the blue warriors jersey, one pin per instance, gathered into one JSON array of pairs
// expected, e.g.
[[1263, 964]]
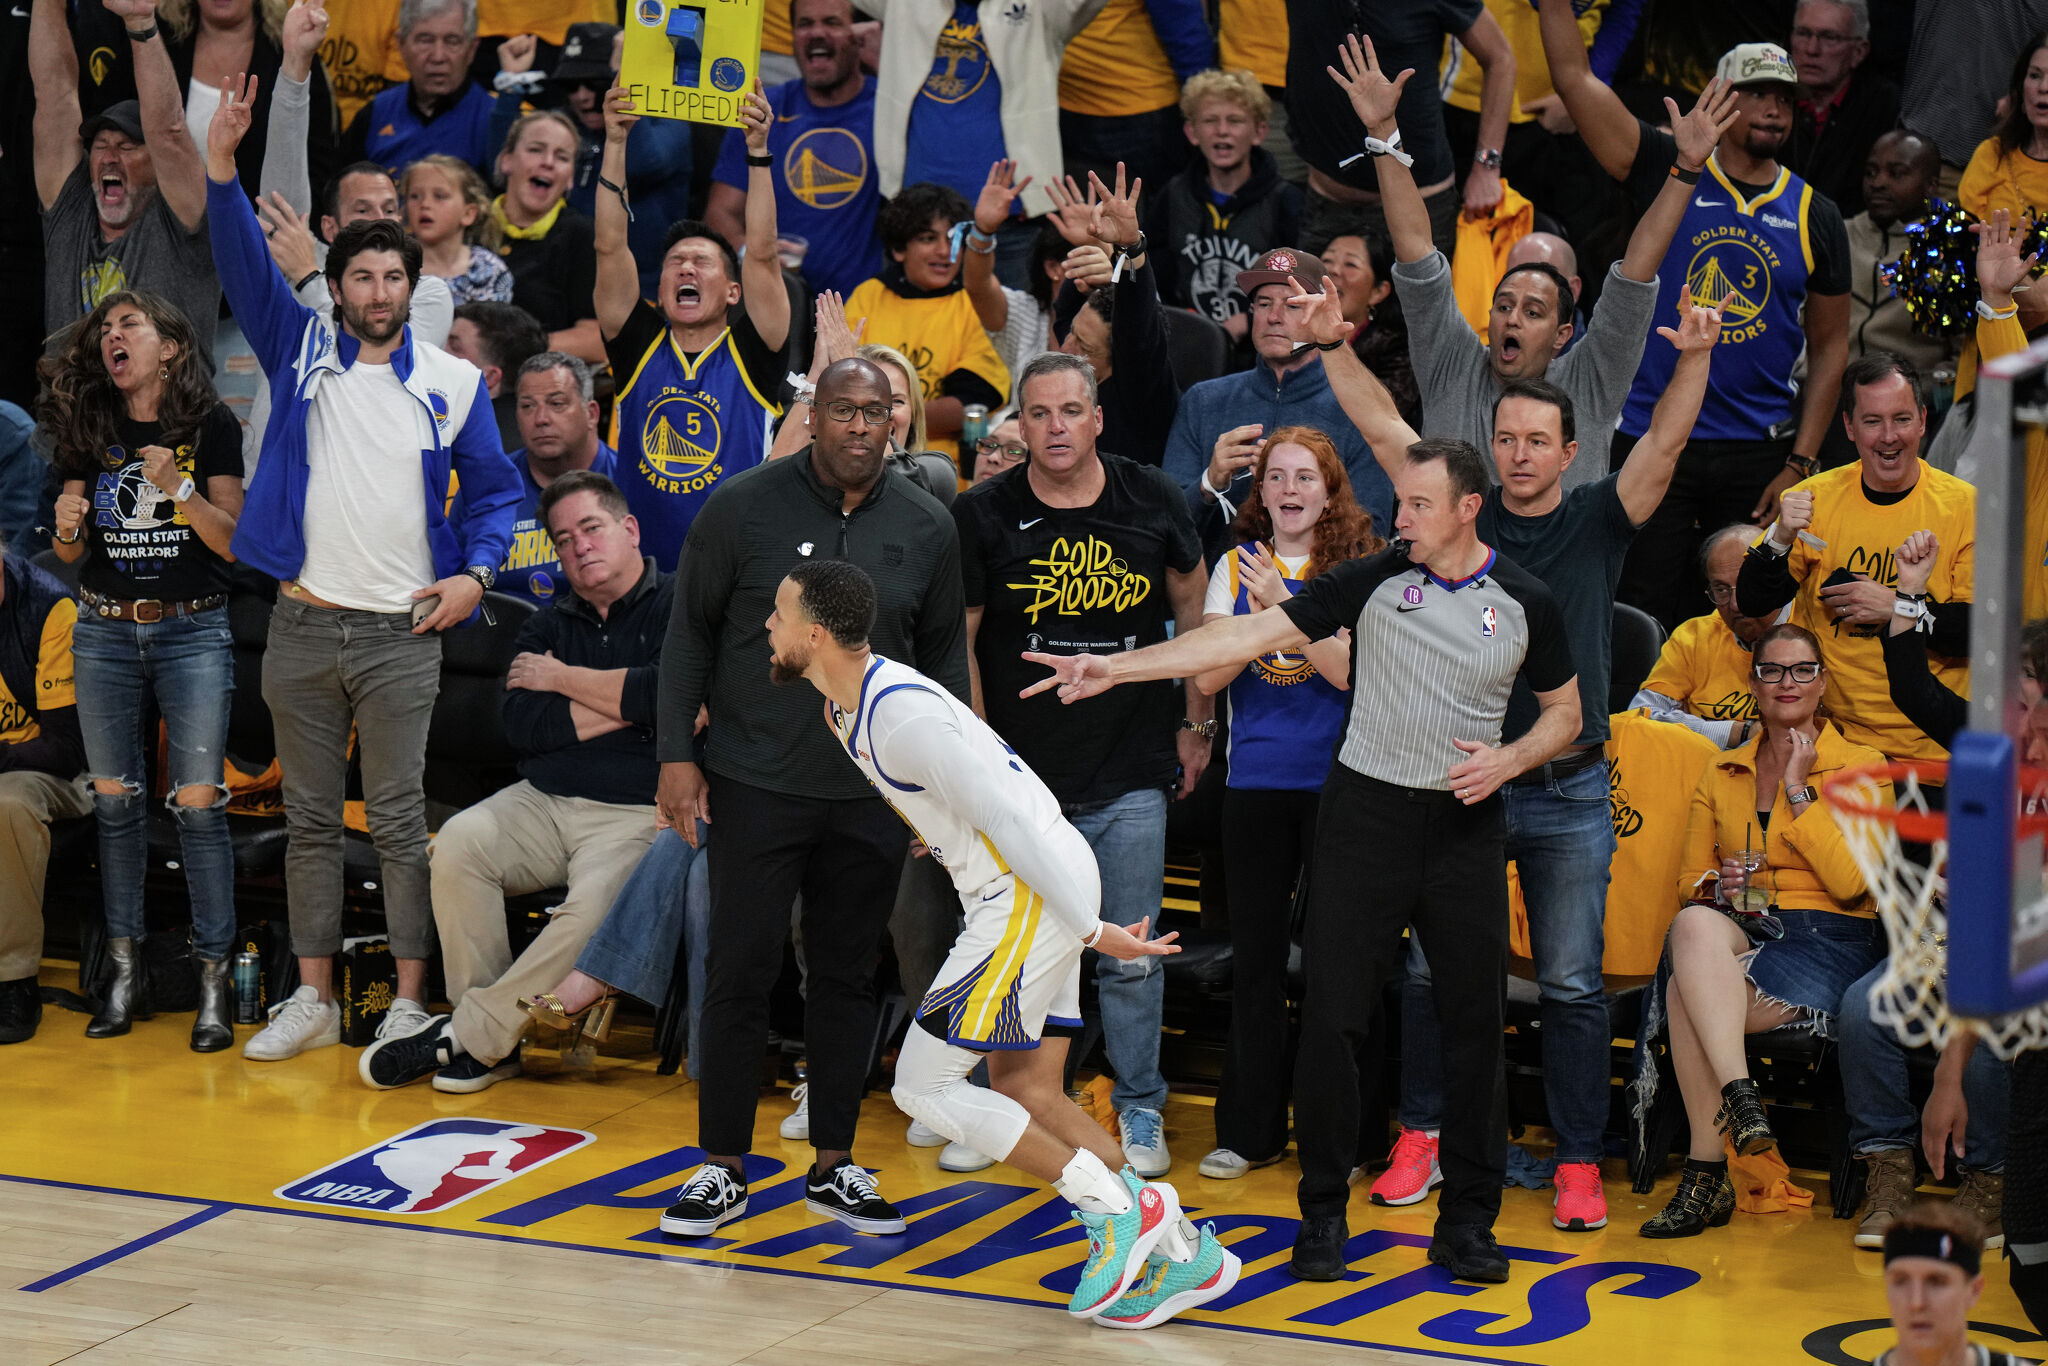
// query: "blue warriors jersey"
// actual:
[[956, 118], [532, 570], [1750, 258], [826, 189], [684, 425], [1285, 717]]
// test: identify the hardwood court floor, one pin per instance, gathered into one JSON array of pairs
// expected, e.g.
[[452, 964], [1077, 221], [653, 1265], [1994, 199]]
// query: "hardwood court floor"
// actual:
[[158, 1206]]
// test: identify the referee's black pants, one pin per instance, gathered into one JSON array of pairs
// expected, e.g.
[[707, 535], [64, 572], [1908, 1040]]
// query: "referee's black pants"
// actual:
[[1387, 857], [845, 857]]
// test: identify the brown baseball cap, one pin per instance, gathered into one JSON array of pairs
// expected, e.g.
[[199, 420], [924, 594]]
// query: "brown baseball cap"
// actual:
[[1277, 265]]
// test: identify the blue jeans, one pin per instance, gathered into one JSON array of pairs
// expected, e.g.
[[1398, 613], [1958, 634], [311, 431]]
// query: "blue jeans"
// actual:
[[187, 664], [1128, 836], [1876, 1085], [1561, 837], [634, 950]]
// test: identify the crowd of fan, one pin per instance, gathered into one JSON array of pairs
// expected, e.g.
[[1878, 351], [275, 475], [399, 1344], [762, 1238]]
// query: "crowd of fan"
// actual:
[[1633, 253]]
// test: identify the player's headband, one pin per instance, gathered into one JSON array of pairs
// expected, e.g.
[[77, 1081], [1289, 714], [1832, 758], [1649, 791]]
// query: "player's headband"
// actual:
[[1929, 1242]]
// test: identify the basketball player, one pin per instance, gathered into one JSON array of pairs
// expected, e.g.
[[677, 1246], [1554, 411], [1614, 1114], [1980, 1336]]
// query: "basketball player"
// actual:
[[1010, 990]]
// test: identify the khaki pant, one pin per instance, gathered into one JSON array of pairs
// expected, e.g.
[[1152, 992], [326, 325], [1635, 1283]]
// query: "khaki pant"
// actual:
[[29, 801], [513, 842]]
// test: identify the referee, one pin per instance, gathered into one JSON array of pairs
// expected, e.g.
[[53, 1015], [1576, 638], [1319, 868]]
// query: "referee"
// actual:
[[1441, 628]]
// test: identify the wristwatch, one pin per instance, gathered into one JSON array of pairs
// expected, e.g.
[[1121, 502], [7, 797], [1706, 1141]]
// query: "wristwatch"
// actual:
[[1802, 794], [1205, 729], [1489, 157], [483, 574]]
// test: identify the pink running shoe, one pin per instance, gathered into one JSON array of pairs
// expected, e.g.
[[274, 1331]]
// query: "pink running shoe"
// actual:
[[1581, 1205], [1413, 1172]]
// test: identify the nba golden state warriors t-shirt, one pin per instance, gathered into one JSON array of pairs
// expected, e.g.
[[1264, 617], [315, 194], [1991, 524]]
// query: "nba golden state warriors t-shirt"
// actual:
[[143, 544], [956, 121], [687, 422], [825, 186], [1068, 581]]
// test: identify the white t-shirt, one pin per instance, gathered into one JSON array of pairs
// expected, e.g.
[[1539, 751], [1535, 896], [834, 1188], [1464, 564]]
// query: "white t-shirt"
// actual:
[[1222, 599], [200, 102], [366, 511]]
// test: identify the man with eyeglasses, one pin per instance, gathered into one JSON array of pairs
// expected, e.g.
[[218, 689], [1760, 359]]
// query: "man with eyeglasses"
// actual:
[[1832, 553], [1701, 680], [1842, 108], [790, 810]]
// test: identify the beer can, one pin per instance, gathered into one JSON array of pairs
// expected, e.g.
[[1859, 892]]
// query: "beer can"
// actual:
[[973, 425], [248, 978]]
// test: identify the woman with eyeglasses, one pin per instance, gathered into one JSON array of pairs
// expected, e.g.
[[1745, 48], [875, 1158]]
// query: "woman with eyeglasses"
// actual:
[[1778, 923]]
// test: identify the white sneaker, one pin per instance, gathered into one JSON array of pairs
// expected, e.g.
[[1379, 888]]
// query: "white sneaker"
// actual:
[[797, 1126], [1144, 1134], [923, 1135], [1223, 1165], [958, 1157], [403, 1018], [300, 1022]]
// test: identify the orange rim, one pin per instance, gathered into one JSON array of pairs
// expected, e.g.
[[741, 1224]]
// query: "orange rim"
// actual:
[[1922, 827]]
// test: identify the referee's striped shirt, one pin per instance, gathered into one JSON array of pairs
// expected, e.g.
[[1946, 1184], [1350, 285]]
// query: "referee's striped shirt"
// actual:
[[1432, 660]]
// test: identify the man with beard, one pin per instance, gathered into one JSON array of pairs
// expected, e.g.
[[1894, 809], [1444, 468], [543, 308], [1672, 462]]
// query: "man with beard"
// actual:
[[823, 142], [346, 515], [1765, 249], [1701, 680], [790, 810], [123, 193], [698, 366]]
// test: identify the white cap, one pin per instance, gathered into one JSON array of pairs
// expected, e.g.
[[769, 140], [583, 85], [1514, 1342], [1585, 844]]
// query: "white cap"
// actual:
[[1757, 64]]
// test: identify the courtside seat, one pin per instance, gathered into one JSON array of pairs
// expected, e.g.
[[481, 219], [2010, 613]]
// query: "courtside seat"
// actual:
[[1637, 641]]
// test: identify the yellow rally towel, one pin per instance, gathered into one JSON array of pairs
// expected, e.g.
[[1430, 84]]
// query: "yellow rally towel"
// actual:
[[1762, 1184], [1482, 256]]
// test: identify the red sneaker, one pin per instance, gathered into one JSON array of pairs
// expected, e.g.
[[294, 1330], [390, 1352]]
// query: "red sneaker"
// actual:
[[1581, 1205], [1413, 1172]]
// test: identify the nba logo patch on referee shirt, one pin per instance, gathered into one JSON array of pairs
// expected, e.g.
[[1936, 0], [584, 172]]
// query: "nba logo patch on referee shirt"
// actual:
[[433, 1166], [1489, 621]]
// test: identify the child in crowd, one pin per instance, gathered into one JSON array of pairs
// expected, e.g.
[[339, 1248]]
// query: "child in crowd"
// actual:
[[448, 208]]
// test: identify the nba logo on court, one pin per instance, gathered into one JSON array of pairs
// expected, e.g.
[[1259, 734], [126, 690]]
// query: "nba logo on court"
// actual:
[[433, 1166]]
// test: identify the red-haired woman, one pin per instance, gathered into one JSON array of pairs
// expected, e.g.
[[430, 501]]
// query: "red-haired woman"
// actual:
[[1286, 711]]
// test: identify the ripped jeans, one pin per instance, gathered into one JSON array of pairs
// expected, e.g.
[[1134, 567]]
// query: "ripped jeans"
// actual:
[[187, 665]]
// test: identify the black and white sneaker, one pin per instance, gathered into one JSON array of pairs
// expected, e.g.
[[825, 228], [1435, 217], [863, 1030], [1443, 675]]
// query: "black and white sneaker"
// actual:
[[848, 1194], [401, 1059], [468, 1074], [713, 1195]]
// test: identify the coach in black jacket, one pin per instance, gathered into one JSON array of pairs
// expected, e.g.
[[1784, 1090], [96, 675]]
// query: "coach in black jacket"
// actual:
[[788, 809]]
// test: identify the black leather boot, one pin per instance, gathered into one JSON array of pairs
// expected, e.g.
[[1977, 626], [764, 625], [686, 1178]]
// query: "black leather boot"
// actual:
[[1741, 1117], [213, 1029], [21, 1010], [1704, 1199], [127, 997]]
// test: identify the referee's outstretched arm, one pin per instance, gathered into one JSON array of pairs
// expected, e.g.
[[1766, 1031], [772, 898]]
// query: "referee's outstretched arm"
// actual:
[[1225, 641]]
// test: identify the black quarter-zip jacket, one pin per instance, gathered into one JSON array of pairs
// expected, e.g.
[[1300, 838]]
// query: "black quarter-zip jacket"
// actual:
[[748, 536]]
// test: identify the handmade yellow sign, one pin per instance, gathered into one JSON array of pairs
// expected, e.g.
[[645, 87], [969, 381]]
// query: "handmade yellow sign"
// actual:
[[691, 59]]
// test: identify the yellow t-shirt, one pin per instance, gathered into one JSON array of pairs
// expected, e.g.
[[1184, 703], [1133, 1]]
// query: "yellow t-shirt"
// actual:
[[775, 31], [549, 19], [1705, 669], [1116, 66], [1861, 537], [360, 53], [1462, 77], [55, 686], [1251, 35], [2001, 338], [939, 335], [1652, 769]]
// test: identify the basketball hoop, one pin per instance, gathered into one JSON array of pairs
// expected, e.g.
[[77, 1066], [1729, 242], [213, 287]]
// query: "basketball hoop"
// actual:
[[1912, 899]]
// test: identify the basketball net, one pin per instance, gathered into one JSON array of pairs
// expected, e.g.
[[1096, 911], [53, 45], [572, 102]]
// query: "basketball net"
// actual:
[[1912, 900]]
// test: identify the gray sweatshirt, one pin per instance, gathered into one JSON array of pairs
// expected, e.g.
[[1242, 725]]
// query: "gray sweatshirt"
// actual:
[[1457, 384]]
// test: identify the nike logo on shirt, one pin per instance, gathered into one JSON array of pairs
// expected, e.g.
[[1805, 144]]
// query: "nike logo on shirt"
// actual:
[[1709, 203], [1026, 526]]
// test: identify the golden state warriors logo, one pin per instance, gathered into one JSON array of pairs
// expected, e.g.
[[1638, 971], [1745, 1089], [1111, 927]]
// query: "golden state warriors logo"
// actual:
[[1284, 669], [649, 13], [960, 65], [679, 442], [437, 404], [825, 168], [1731, 271], [98, 280], [727, 74], [1082, 576]]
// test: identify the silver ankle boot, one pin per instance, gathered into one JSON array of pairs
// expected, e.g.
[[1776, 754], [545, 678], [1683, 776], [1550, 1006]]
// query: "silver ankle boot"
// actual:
[[212, 1030], [126, 1001]]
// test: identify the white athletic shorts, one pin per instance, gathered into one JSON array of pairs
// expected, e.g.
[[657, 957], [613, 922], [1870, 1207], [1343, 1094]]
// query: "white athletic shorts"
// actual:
[[1013, 976]]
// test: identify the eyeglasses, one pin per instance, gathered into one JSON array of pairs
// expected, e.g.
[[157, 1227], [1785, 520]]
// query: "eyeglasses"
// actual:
[[877, 414], [1803, 672], [988, 445], [1721, 593], [1821, 37]]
